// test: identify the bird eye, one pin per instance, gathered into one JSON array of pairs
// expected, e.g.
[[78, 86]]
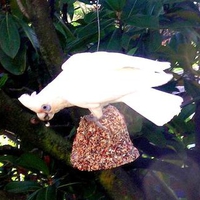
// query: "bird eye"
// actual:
[[46, 107]]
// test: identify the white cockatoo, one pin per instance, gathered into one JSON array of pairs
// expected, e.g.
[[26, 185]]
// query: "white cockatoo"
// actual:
[[94, 80]]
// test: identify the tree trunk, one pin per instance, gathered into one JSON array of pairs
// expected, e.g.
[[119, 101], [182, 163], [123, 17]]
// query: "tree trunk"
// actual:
[[39, 14]]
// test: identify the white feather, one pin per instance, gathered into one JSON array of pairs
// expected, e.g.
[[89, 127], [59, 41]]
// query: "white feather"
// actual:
[[157, 106], [93, 80]]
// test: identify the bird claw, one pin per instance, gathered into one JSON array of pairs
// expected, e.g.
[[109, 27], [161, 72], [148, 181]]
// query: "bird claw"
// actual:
[[91, 118]]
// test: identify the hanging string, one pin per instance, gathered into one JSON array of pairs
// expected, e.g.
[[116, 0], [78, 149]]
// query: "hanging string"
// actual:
[[98, 25]]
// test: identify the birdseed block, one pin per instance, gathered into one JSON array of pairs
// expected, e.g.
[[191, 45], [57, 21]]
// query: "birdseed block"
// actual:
[[105, 145]]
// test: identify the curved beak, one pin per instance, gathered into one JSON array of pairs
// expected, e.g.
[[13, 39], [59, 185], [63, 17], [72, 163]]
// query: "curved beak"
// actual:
[[45, 116]]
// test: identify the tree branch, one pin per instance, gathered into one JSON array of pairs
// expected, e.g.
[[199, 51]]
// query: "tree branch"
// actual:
[[119, 185], [13, 118]]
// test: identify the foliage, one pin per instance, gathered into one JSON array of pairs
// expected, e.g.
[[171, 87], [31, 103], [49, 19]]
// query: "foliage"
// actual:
[[165, 30]]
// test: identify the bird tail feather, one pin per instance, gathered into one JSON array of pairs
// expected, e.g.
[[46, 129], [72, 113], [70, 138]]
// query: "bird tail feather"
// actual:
[[157, 106]]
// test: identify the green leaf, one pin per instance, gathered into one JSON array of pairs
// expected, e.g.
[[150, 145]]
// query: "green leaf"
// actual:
[[176, 40], [30, 34], [154, 41], [143, 21], [186, 112], [155, 135], [67, 1], [116, 5], [132, 51], [189, 139], [22, 186], [91, 28], [125, 40], [133, 7], [128, 37], [16, 65], [3, 80], [62, 28], [88, 35], [33, 195], [172, 1], [90, 17], [189, 15], [33, 162], [9, 36], [48, 193], [115, 40], [16, 11], [192, 88], [173, 21], [7, 159], [154, 8]]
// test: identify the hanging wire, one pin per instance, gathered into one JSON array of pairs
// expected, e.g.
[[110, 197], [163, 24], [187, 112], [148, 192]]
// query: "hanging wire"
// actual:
[[98, 25]]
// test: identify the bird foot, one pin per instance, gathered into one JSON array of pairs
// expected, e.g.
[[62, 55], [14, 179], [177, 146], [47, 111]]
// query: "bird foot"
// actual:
[[91, 118]]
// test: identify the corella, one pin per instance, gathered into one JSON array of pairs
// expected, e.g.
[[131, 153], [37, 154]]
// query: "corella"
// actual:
[[94, 80]]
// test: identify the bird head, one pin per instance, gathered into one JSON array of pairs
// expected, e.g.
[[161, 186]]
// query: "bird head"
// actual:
[[45, 114], [44, 111]]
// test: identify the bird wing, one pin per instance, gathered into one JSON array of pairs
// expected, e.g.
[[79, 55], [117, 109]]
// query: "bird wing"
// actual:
[[107, 86], [102, 61], [101, 77], [157, 106]]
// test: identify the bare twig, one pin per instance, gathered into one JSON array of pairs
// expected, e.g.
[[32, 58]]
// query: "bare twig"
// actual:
[[22, 8]]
